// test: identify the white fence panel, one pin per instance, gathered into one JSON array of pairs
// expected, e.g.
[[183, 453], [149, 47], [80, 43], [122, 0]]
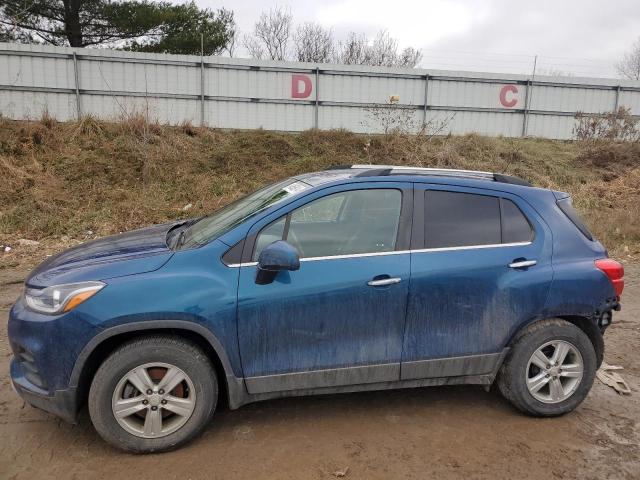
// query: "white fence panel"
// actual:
[[563, 99], [368, 90], [630, 99], [27, 105], [286, 117]]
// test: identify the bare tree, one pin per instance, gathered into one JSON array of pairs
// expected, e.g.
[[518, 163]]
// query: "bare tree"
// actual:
[[234, 38], [629, 66], [409, 57], [273, 32], [272, 35], [382, 51], [313, 43], [353, 51], [253, 46]]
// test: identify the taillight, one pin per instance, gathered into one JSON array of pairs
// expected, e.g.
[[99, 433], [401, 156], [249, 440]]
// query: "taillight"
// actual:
[[615, 271]]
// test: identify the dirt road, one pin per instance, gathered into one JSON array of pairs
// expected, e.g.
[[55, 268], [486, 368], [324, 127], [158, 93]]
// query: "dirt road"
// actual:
[[440, 433]]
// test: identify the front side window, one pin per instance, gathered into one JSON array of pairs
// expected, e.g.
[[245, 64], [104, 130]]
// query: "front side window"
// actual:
[[345, 223], [454, 219]]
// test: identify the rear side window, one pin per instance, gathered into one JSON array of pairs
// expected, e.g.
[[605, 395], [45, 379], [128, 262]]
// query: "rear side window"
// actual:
[[567, 208], [454, 219]]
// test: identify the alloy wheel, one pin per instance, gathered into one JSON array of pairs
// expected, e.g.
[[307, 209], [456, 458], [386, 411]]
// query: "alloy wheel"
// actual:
[[153, 400], [554, 371]]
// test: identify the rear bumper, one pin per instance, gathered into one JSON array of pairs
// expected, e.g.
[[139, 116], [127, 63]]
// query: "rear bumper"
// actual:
[[62, 403]]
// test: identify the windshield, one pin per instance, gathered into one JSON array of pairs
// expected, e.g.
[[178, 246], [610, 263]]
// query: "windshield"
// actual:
[[223, 220]]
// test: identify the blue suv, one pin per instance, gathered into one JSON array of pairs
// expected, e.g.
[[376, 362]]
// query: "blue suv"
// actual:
[[356, 278]]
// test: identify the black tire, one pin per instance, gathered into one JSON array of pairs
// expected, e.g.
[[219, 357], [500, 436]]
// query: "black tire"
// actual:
[[514, 371], [155, 348]]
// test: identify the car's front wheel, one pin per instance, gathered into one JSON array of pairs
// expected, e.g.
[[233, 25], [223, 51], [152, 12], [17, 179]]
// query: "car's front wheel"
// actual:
[[153, 394], [549, 369]]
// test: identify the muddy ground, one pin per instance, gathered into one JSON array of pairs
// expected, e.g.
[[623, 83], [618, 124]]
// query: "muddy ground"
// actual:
[[439, 433]]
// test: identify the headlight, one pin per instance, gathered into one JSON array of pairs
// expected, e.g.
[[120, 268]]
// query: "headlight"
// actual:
[[60, 298]]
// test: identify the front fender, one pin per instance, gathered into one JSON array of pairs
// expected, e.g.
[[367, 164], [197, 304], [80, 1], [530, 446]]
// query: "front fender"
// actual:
[[235, 385]]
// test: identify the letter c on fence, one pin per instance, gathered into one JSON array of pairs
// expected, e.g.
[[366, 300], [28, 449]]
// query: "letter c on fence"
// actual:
[[298, 81], [509, 103]]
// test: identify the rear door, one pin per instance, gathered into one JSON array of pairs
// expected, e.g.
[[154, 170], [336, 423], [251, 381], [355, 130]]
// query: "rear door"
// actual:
[[339, 319], [481, 266]]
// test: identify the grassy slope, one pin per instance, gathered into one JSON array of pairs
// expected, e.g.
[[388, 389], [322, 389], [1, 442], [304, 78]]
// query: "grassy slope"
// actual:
[[66, 179]]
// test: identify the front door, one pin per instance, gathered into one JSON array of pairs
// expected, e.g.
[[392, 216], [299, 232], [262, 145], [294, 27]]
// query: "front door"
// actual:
[[481, 269], [339, 319]]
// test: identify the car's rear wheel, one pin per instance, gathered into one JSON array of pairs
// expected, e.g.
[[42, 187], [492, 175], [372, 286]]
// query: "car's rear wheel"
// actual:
[[153, 394], [550, 368]]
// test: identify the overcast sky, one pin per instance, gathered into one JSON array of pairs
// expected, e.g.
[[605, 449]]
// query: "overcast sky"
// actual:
[[581, 37]]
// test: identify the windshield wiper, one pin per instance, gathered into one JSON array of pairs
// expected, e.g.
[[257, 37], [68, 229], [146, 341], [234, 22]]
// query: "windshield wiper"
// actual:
[[182, 229], [181, 237]]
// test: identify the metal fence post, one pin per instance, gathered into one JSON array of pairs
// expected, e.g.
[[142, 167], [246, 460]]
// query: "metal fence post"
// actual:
[[527, 98], [525, 118], [316, 121], [202, 80], [202, 122], [75, 74], [426, 104]]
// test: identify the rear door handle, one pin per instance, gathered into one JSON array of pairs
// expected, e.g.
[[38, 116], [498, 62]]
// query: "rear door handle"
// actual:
[[523, 264], [384, 281]]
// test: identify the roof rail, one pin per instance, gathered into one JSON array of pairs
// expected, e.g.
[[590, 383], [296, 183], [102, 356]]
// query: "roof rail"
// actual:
[[385, 170]]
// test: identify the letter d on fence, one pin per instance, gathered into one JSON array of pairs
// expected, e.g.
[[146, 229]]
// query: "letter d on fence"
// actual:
[[300, 86]]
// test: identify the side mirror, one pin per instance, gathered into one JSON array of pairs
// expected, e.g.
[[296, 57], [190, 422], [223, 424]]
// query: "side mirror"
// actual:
[[274, 258]]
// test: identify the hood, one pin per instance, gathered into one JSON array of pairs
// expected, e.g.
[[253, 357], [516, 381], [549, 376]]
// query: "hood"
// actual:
[[138, 251]]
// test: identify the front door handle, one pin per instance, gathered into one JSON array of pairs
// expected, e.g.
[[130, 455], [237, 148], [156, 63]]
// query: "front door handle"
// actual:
[[523, 264], [384, 281]]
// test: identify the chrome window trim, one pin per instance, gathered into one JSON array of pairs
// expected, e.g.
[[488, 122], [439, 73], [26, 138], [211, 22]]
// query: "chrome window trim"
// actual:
[[355, 255], [395, 252], [240, 265], [471, 247]]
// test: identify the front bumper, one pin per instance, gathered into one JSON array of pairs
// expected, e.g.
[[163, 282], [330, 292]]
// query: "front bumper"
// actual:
[[62, 403], [45, 350]]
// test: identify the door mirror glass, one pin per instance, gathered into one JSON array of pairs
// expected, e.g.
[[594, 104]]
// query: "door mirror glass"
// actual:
[[274, 258]]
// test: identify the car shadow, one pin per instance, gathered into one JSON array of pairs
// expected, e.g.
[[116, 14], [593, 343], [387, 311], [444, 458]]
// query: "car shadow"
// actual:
[[440, 401]]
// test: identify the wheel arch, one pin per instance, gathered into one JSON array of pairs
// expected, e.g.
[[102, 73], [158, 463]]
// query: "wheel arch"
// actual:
[[591, 330], [99, 348], [586, 324]]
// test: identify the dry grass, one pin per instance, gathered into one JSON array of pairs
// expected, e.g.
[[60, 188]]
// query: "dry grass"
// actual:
[[64, 179]]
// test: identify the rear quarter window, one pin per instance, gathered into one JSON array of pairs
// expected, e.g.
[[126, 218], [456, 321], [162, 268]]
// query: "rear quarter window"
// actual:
[[515, 226], [566, 207]]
